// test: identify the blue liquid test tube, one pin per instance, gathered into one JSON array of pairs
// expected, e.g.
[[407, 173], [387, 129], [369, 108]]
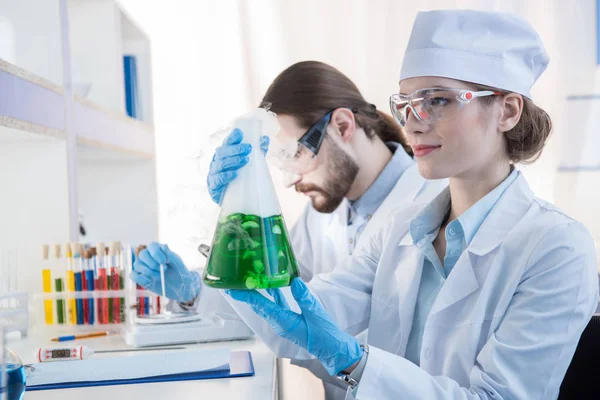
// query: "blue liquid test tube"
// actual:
[[89, 280], [79, 302]]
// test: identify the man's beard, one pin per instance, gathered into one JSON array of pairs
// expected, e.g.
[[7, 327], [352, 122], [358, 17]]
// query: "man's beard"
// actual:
[[342, 173]]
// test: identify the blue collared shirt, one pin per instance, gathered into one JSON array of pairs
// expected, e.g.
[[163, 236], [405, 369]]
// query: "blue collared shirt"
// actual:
[[424, 228], [361, 210]]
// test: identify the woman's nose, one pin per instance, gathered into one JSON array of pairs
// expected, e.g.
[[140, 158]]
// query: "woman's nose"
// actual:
[[414, 125]]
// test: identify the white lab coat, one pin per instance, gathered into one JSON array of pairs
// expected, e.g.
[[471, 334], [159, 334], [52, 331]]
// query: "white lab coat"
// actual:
[[505, 324], [320, 244]]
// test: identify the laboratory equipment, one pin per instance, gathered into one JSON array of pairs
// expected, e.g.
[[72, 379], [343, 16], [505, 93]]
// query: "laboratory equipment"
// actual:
[[59, 287], [15, 375], [96, 284], [115, 272], [168, 328], [142, 303], [70, 280], [89, 286], [47, 285], [74, 353], [12, 370], [77, 276], [13, 304], [121, 280], [101, 283], [162, 280], [250, 248], [8, 270], [180, 328]]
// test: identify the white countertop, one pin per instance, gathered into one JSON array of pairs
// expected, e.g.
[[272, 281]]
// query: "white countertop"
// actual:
[[261, 386]]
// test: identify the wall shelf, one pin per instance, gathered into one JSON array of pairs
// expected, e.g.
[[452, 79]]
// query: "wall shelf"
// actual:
[[97, 127], [30, 103]]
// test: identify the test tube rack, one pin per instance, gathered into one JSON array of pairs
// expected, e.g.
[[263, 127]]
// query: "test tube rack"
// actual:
[[106, 298]]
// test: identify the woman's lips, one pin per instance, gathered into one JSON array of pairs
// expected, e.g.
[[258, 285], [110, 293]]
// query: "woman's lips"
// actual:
[[421, 150]]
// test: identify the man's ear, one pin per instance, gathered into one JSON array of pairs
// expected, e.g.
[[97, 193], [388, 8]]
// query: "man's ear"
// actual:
[[344, 124]]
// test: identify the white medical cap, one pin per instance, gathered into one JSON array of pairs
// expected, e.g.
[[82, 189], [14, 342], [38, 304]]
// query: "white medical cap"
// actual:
[[487, 48]]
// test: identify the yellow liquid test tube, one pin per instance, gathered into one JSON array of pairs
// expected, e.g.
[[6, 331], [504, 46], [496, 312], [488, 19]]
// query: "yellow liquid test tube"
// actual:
[[47, 287], [70, 278]]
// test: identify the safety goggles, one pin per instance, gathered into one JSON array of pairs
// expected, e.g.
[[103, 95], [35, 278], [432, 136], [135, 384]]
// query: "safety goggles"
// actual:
[[300, 157], [433, 104]]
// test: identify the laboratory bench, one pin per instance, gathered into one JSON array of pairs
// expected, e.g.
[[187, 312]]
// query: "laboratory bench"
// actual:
[[261, 386]]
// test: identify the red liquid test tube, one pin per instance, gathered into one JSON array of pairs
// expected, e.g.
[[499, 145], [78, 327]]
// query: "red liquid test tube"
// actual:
[[103, 302], [116, 301]]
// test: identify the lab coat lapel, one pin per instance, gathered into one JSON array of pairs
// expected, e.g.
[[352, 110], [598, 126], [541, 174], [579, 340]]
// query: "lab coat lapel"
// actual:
[[460, 283], [336, 232], [408, 280], [507, 212]]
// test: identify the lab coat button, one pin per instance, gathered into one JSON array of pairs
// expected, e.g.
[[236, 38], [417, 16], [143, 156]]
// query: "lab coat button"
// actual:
[[452, 232]]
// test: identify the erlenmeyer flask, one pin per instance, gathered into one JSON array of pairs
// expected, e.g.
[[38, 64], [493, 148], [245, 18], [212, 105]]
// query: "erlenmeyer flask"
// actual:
[[250, 248]]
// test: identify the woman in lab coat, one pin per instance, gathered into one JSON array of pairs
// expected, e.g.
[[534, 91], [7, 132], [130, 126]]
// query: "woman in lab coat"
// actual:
[[481, 293]]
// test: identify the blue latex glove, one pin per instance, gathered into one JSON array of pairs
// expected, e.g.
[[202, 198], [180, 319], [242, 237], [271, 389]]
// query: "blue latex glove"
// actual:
[[181, 284], [227, 160], [313, 330]]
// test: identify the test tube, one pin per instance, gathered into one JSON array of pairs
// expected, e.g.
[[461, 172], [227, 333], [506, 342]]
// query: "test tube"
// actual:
[[121, 279], [84, 301], [78, 282], [114, 282], [70, 279], [102, 284], [111, 318], [59, 287], [47, 286], [89, 285], [141, 301], [82, 267]]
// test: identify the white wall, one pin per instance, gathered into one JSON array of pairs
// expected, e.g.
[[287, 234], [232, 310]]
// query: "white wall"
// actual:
[[37, 40], [34, 204], [97, 62], [117, 200]]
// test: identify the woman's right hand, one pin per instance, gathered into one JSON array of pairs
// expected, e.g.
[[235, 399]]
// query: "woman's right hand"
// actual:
[[227, 160]]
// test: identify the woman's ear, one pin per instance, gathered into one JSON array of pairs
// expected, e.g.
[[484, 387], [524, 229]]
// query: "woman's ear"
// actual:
[[512, 107], [343, 122]]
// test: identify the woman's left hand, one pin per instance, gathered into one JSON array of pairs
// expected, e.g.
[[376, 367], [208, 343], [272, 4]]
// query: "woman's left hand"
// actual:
[[313, 330]]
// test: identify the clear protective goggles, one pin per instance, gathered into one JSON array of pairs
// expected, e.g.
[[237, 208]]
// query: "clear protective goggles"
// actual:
[[299, 157], [433, 104]]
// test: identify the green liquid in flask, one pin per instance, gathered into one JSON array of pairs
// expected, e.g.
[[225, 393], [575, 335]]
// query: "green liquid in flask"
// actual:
[[250, 252]]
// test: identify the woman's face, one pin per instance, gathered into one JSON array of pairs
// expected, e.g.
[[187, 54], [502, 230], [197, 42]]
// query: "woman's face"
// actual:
[[463, 144]]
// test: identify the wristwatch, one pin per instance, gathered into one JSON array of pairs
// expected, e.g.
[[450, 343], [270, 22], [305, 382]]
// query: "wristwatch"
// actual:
[[353, 378]]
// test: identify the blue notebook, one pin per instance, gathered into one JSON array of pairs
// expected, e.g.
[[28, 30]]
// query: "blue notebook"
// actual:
[[131, 86], [240, 364]]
